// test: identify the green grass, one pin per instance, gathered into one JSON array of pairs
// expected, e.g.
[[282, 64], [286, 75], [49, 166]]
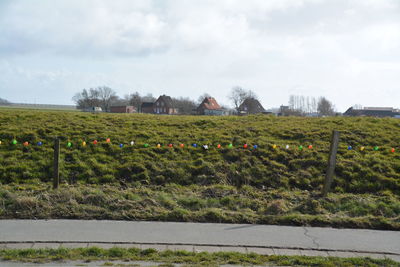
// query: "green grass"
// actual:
[[213, 203], [265, 185], [357, 172], [182, 257]]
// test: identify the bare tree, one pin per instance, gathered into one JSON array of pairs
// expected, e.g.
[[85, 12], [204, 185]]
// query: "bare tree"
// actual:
[[134, 99], [300, 105], [120, 101], [295, 104], [325, 107], [4, 102], [291, 102], [148, 98], [185, 105], [314, 105], [95, 97], [106, 96], [86, 99], [238, 95]]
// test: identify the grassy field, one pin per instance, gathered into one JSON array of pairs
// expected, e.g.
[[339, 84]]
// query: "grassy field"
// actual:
[[169, 258], [263, 185], [213, 203]]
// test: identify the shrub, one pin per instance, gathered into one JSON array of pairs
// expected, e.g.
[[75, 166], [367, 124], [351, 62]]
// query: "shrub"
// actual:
[[192, 203], [277, 207], [93, 252], [117, 252], [178, 215], [148, 251], [213, 215]]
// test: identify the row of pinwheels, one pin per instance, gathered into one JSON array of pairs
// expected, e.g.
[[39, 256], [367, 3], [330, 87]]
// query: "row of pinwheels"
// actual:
[[70, 144]]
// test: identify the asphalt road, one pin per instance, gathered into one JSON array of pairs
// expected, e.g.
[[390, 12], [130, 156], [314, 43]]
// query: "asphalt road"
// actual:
[[200, 234]]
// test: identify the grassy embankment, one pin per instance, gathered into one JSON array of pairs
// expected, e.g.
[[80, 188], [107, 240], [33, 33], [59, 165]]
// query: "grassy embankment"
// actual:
[[263, 185], [169, 258]]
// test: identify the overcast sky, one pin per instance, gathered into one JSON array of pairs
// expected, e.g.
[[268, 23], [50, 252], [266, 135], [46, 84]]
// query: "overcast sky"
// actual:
[[345, 50]]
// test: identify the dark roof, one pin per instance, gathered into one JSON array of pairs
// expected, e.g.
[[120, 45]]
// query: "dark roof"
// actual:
[[123, 106], [167, 100], [251, 105], [372, 112], [147, 104], [209, 103]]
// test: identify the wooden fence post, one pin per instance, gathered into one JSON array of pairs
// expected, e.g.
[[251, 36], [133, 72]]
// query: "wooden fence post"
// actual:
[[56, 163], [331, 163]]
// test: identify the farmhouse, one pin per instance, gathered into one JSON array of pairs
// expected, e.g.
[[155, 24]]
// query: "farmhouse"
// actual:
[[372, 112], [164, 105], [123, 109], [209, 106], [147, 107], [251, 106]]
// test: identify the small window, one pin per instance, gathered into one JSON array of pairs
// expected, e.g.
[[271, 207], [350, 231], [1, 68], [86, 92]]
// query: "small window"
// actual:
[[162, 104]]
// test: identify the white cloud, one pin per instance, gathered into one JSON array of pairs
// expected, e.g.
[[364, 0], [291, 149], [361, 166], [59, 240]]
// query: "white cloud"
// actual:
[[275, 47], [81, 28]]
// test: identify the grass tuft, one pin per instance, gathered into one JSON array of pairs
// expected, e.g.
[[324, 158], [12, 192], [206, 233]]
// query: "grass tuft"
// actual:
[[169, 258]]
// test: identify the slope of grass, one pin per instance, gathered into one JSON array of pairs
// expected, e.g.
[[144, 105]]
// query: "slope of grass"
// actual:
[[357, 172], [182, 257], [214, 203], [263, 185]]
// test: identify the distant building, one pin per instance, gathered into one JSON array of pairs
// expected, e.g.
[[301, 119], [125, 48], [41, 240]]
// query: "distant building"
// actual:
[[313, 115], [147, 107], [284, 111], [251, 106], [164, 105], [123, 109], [93, 109], [209, 106], [372, 112]]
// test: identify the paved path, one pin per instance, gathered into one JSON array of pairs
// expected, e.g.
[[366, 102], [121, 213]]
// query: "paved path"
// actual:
[[266, 239]]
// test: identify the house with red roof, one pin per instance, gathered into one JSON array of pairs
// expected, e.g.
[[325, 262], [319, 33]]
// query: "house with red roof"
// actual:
[[209, 106]]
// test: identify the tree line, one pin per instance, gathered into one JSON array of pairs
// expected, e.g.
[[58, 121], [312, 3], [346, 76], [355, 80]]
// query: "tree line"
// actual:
[[105, 97], [4, 102], [301, 105]]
